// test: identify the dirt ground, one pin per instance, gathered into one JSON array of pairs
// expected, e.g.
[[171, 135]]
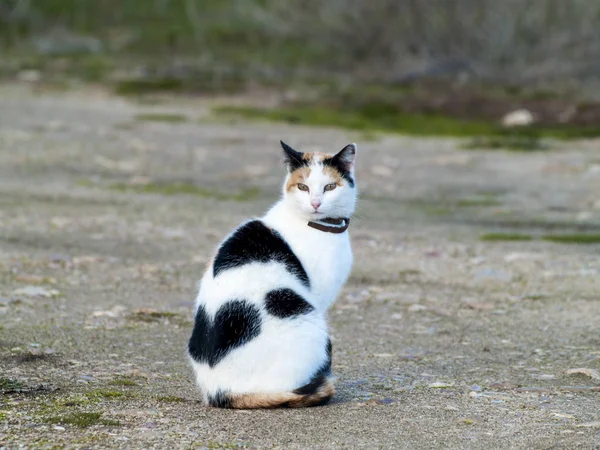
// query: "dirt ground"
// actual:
[[110, 208]]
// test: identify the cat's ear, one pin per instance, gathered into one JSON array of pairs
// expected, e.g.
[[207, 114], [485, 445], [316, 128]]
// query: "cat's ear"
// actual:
[[292, 158], [346, 156]]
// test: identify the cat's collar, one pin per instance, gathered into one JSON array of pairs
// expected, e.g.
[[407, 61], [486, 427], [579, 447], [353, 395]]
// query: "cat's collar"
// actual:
[[330, 225]]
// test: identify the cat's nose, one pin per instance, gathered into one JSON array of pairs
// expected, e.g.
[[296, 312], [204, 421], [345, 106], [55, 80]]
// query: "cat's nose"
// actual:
[[315, 204]]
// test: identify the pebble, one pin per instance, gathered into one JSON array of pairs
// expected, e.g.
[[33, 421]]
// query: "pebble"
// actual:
[[86, 379], [564, 416], [592, 373], [589, 425], [58, 428], [439, 385], [416, 308], [29, 76], [539, 390], [518, 118], [36, 291]]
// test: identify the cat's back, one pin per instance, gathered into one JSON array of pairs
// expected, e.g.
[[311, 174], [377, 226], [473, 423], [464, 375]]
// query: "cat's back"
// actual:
[[248, 264]]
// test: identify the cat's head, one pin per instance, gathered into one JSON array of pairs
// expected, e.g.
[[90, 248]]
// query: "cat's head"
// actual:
[[320, 185]]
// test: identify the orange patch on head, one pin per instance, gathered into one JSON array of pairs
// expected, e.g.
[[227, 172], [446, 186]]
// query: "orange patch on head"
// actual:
[[335, 175], [297, 176]]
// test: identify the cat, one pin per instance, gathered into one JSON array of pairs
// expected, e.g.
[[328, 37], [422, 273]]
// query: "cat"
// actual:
[[260, 336]]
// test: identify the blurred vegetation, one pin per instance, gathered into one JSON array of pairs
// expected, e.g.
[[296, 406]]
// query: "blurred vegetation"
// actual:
[[390, 64]]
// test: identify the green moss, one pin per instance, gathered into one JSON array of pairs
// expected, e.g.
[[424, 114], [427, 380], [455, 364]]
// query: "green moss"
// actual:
[[170, 399], [474, 202], [10, 385], [105, 393], [195, 80], [576, 238], [123, 381], [505, 237], [514, 143], [161, 117], [82, 420], [381, 116], [189, 189], [535, 297], [151, 85]]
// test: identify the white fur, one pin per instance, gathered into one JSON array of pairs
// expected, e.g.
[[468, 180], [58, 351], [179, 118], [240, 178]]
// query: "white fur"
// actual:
[[288, 352]]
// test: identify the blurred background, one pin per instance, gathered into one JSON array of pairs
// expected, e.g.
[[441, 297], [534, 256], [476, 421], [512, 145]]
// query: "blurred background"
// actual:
[[389, 64]]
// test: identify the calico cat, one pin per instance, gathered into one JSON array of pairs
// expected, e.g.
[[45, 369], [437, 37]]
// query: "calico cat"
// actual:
[[260, 337]]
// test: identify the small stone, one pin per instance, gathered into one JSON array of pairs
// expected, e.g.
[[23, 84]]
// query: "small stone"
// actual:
[[544, 376], [416, 308], [383, 355], [87, 378], [58, 428], [439, 385], [29, 76], [592, 373], [589, 425], [537, 390], [476, 388], [36, 291], [478, 306], [518, 118], [564, 416], [477, 261], [115, 311], [471, 420]]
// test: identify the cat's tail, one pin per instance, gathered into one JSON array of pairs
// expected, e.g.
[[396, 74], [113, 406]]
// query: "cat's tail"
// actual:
[[318, 392]]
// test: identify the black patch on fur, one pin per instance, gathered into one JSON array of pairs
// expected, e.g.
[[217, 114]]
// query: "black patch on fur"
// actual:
[[292, 158], [340, 163], [285, 303], [319, 378], [220, 400], [236, 323], [255, 242]]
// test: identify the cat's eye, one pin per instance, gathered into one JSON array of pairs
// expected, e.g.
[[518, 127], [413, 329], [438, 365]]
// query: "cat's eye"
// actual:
[[330, 187], [302, 187]]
